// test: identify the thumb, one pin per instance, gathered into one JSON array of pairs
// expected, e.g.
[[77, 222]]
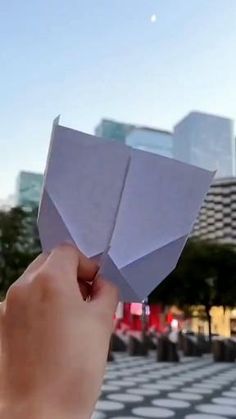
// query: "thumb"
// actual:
[[105, 295]]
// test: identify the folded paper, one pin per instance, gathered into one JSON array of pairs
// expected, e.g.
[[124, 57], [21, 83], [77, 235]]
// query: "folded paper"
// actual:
[[131, 209]]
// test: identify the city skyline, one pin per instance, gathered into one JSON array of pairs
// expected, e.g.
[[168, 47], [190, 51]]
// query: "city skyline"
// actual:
[[110, 61], [136, 136], [9, 193], [200, 132]]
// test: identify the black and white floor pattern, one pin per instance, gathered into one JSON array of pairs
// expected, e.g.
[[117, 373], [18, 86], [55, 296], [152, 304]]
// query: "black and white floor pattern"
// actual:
[[140, 388]]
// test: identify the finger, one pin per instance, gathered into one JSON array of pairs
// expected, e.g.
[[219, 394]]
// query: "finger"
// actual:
[[33, 267], [62, 264], [2, 310], [88, 268], [69, 262], [85, 290], [105, 295], [37, 263]]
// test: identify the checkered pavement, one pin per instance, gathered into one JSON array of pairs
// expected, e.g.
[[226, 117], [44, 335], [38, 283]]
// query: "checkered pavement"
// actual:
[[141, 388]]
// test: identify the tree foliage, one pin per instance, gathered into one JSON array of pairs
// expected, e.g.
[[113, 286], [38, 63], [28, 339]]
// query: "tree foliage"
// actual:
[[19, 244], [205, 275]]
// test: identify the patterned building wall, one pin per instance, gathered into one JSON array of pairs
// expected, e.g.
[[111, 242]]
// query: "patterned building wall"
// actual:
[[217, 217]]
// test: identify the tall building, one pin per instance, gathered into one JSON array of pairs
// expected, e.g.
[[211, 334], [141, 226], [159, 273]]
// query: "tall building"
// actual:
[[153, 140], [217, 217], [113, 130], [206, 141], [28, 189], [143, 138]]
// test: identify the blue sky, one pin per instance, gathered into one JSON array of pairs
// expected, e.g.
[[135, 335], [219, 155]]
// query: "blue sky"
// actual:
[[104, 58]]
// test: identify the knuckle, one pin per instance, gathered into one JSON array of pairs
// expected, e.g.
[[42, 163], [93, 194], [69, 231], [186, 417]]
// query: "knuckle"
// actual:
[[46, 282], [2, 308], [16, 295], [1, 319], [44, 278]]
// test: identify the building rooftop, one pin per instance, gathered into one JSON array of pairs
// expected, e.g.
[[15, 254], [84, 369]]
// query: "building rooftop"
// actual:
[[135, 126], [204, 115], [29, 173], [224, 180], [162, 131]]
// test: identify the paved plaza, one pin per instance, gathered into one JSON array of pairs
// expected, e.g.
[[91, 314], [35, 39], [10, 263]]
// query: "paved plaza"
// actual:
[[195, 388]]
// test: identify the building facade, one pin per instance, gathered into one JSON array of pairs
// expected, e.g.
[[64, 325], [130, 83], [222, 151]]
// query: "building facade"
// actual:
[[152, 140], [143, 138], [206, 141], [28, 189], [217, 217], [113, 130]]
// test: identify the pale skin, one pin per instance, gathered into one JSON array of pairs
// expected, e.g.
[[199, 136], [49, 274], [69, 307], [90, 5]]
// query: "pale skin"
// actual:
[[54, 344]]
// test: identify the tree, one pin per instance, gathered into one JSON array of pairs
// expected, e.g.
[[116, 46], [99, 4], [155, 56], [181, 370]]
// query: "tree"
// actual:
[[205, 275], [19, 244]]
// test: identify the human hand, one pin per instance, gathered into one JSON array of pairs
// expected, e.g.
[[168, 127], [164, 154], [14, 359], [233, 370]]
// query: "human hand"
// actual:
[[54, 344]]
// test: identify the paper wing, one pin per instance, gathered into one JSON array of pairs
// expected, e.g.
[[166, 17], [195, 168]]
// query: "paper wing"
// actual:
[[160, 202], [83, 185], [134, 207]]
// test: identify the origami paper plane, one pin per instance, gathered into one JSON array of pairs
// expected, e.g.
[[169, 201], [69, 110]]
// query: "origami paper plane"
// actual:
[[131, 209]]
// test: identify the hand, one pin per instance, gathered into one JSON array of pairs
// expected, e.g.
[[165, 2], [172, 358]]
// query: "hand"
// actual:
[[54, 344]]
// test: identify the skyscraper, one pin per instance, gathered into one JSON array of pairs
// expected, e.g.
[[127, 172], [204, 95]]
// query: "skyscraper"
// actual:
[[113, 130], [206, 141], [153, 140], [28, 189]]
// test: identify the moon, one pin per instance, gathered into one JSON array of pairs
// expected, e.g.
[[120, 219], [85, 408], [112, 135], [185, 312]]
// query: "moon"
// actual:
[[153, 18]]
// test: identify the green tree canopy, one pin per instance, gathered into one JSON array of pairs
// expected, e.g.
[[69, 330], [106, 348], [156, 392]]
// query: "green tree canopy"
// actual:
[[205, 275], [19, 244]]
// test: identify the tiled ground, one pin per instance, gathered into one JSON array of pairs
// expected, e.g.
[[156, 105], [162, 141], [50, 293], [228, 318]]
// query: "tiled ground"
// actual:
[[196, 388]]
